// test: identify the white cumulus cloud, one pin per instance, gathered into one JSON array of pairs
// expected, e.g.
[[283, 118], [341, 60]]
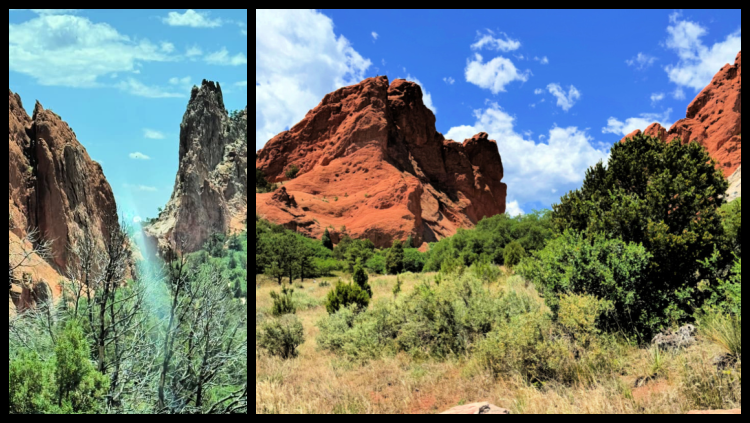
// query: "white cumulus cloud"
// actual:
[[448, 80], [191, 18], [698, 63], [489, 42], [493, 75], [374, 36], [616, 126], [565, 101], [513, 209], [532, 170], [298, 60]]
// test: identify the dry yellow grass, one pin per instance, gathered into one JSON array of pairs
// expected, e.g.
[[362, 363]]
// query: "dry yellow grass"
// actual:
[[320, 382]]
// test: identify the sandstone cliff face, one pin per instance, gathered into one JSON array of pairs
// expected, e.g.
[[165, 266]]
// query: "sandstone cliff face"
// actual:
[[210, 193], [53, 186], [372, 161], [53, 183], [713, 119]]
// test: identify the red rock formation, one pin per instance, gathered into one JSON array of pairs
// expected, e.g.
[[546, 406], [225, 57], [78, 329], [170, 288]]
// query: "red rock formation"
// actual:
[[713, 119], [54, 185], [371, 160]]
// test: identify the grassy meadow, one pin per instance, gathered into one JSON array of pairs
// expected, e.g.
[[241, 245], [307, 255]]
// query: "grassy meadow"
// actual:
[[639, 380]]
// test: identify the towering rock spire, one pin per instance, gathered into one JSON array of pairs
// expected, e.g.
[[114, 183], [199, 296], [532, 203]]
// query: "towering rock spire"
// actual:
[[210, 192]]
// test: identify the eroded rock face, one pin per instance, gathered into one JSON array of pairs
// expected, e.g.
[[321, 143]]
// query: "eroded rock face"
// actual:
[[54, 185], [210, 190], [713, 119], [372, 162]]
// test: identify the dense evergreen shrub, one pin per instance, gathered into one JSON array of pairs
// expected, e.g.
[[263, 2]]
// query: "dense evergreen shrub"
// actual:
[[345, 295]]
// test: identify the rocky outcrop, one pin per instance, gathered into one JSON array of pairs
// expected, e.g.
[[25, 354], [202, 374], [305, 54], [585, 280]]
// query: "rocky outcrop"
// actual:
[[210, 193], [55, 190], [54, 186], [683, 338], [735, 185], [713, 119], [372, 164], [478, 408]]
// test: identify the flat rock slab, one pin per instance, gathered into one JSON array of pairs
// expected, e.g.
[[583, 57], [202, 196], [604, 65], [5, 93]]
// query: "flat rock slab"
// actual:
[[477, 408]]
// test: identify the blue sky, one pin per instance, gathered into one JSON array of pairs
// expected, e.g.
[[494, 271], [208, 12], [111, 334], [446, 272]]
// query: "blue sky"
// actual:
[[555, 88], [122, 80]]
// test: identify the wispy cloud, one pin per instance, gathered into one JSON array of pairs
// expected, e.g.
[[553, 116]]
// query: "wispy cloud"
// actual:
[[72, 51], [143, 188], [488, 41], [656, 98], [641, 61], [152, 134], [448, 80], [137, 88], [139, 156], [223, 58], [374, 36]]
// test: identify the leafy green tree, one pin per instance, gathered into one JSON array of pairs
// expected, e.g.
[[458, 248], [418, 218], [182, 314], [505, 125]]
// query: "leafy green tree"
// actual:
[[513, 254], [360, 278], [326, 239], [80, 388], [357, 250], [731, 215], [611, 270], [275, 272], [414, 261], [215, 245], [394, 261], [489, 239], [666, 197], [409, 242], [30, 384]]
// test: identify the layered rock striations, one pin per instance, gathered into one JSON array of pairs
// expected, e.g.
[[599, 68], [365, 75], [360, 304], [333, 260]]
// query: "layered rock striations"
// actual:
[[54, 188], [713, 119], [373, 165], [210, 193]]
